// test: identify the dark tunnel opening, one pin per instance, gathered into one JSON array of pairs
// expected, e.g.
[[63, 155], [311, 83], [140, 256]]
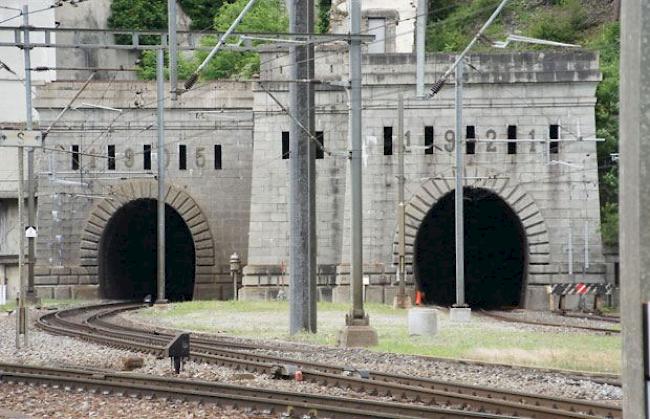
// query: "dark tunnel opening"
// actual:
[[495, 252], [128, 254]]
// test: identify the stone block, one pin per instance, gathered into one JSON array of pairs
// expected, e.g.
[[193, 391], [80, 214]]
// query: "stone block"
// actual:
[[44, 292], [391, 292], [62, 293], [374, 294], [257, 294], [46, 280], [325, 294], [68, 279], [41, 270], [85, 292], [341, 294], [537, 298], [208, 292], [88, 279]]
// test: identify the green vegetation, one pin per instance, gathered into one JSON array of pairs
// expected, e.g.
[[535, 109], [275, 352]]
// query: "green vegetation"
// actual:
[[152, 14], [585, 22], [265, 16], [479, 340], [46, 302]]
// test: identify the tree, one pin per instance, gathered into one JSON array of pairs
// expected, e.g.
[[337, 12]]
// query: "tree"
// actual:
[[265, 16]]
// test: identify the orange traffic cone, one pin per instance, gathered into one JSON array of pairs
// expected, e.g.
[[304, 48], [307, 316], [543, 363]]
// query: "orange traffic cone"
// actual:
[[419, 295]]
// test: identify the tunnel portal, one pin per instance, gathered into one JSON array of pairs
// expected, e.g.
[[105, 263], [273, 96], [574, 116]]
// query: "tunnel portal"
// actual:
[[128, 254], [495, 252]]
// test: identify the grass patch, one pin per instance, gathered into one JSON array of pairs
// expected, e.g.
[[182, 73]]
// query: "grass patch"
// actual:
[[479, 340], [45, 302]]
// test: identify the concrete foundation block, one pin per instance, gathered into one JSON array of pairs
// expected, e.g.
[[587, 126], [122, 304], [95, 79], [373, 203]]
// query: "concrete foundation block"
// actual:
[[460, 314], [423, 321], [358, 337]]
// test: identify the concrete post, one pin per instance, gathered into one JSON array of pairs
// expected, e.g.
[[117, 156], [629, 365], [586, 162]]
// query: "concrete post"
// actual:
[[313, 251], [420, 34], [160, 92], [300, 267], [357, 331], [235, 268], [173, 48], [460, 311], [21, 318], [634, 199], [31, 190], [401, 300]]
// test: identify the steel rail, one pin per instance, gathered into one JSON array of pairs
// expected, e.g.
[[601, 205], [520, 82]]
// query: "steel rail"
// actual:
[[514, 320], [226, 394], [427, 390], [601, 378]]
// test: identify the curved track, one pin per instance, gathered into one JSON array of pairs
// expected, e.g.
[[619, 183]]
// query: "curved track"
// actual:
[[506, 318], [91, 323]]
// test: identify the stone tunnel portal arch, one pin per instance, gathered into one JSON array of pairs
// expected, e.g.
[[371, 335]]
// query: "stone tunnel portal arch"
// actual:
[[495, 252], [127, 255]]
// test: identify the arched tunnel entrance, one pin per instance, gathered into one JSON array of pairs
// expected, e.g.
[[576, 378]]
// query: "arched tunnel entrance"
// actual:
[[128, 253], [495, 252]]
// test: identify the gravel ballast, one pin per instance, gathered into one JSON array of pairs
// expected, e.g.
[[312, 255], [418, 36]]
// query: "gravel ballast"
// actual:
[[58, 351], [529, 380]]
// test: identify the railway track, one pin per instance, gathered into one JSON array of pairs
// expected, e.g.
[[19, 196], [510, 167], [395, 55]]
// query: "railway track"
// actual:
[[587, 316], [90, 323], [281, 403], [566, 326]]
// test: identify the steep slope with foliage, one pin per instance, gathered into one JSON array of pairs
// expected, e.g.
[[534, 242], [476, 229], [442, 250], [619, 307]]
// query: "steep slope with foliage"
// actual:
[[589, 23]]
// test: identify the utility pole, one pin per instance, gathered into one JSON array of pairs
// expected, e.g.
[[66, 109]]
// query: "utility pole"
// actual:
[[302, 313], [313, 239], [420, 57], [357, 331], [160, 97], [173, 48], [21, 318], [460, 311], [634, 206], [401, 300], [31, 192]]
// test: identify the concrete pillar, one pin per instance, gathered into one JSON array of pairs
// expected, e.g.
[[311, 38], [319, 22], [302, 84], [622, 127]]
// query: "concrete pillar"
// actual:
[[634, 197]]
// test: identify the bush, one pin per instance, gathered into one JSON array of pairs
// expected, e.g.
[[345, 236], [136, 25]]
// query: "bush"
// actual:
[[562, 23], [609, 224]]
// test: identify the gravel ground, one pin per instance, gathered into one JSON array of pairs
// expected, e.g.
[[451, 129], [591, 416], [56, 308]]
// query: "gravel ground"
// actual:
[[66, 404], [49, 350], [523, 379], [55, 351]]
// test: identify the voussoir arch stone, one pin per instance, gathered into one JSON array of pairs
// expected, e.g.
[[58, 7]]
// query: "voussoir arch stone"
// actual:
[[118, 196], [431, 190]]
